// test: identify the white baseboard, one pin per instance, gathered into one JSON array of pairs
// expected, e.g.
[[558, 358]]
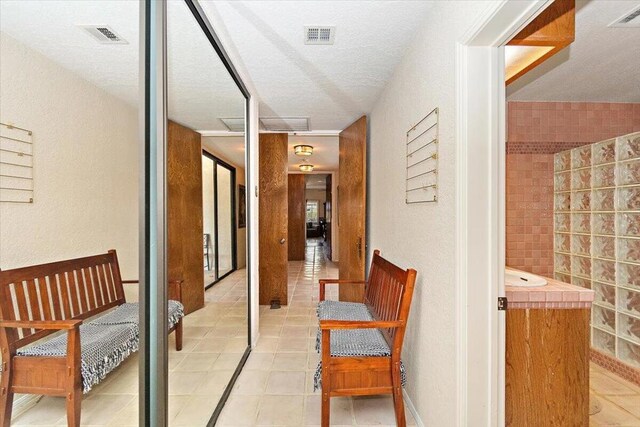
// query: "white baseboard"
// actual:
[[412, 408]]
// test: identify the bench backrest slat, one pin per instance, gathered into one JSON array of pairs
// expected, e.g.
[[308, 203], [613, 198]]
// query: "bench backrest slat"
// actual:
[[71, 289], [388, 295]]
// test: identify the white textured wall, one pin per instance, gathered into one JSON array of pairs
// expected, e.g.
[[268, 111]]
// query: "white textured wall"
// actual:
[[422, 235], [85, 165]]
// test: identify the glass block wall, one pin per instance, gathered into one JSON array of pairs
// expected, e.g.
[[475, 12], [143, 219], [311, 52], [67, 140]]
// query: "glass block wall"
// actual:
[[597, 237]]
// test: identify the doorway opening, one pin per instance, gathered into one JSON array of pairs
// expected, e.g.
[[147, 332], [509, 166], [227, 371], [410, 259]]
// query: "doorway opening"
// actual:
[[218, 219]]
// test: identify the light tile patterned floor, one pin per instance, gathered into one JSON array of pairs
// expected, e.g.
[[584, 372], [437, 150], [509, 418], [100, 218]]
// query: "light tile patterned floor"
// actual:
[[276, 385], [619, 399]]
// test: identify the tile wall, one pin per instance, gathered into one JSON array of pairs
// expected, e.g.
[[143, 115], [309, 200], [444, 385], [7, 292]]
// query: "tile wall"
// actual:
[[597, 237]]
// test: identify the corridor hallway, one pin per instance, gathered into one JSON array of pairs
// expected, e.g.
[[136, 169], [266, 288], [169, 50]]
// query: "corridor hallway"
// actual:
[[276, 384]]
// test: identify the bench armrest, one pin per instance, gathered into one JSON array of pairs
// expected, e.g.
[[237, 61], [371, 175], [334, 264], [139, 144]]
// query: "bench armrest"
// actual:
[[41, 324], [324, 282], [360, 324], [174, 291]]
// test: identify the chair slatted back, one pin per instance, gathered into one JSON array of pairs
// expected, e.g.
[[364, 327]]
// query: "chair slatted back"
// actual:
[[71, 289], [388, 295]]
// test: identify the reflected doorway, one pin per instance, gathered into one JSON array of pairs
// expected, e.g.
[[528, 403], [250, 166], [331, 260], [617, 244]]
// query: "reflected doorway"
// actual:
[[218, 219]]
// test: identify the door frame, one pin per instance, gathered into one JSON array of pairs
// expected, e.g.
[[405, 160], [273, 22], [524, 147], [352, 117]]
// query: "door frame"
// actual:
[[480, 210], [234, 230]]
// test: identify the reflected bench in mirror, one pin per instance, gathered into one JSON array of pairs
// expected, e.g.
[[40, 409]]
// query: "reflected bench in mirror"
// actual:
[[65, 325]]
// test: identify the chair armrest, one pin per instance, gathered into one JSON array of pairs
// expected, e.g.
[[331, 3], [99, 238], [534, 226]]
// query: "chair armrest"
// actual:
[[41, 324], [174, 289], [360, 324], [324, 282]]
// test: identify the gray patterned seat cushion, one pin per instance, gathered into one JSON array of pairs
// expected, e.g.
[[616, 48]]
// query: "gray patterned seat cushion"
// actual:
[[105, 341], [351, 342], [103, 348], [129, 313]]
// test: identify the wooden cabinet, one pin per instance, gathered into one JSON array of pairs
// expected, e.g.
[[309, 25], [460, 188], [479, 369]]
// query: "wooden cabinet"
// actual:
[[547, 367]]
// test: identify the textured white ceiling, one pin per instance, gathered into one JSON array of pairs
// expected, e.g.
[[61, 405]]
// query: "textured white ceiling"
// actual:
[[324, 158], [200, 88], [332, 85], [602, 64]]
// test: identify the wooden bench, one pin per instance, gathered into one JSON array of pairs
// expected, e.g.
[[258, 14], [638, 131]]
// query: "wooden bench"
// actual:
[[38, 301], [361, 343]]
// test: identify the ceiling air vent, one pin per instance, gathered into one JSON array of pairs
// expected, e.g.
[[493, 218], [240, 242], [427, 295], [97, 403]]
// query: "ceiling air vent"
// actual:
[[631, 19], [285, 124], [235, 124], [104, 34], [319, 35]]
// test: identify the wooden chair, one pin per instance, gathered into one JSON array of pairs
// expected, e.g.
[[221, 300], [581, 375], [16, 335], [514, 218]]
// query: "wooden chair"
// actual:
[[387, 300], [40, 300]]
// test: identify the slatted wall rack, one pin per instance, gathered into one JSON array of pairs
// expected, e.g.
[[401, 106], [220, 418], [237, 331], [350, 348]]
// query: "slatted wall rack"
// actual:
[[16, 164], [422, 160]]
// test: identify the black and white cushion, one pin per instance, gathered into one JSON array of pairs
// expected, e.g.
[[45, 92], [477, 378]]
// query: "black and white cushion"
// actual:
[[129, 313], [351, 342]]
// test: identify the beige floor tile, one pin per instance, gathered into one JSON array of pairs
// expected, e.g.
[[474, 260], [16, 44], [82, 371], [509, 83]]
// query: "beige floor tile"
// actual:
[[227, 362], [213, 383], [266, 345], [128, 416], [251, 383], [629, 403], [286, 382], [196, 411], [196, 362], [184, 383], [290, 361], [280, 410], [293, 345], [341, 411], [259, 361], [210, 345], [101, 410], [46, 412], [377, 410], [295, 331], [239, 411]]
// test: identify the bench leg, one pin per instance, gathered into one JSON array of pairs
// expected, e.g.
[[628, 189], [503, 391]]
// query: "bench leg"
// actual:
[[398, 403], [326, 410], [74, 404], [179, 336], [6, 398]]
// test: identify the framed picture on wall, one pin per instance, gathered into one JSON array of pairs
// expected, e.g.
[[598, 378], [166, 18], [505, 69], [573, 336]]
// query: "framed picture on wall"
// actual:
[[242, 206]]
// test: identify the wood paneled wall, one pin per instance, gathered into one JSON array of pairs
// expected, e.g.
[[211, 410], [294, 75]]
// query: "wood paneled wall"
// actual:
[[297, 209], [184, 213]]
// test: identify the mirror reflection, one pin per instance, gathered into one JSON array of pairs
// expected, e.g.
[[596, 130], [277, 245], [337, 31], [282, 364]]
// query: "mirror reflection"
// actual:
[[206, 218]]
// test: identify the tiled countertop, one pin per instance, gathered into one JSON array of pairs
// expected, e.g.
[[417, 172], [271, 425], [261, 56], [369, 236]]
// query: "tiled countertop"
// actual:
[[555, 294]]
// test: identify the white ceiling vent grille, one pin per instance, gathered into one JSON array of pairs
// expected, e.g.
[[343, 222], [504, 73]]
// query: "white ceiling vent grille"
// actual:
[[235, 124], [319, 35], [631, 19], [104, 34], [285, 124]]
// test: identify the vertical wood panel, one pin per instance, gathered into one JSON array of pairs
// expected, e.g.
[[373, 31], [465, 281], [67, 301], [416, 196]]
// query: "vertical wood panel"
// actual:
[[273, 217], [352, 207], [547, 372], [296, 221], [184, 213], [329, 215]]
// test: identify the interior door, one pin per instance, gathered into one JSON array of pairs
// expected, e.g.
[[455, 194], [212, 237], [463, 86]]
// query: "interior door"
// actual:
[[273, 217], [296, 208], [352, 186]]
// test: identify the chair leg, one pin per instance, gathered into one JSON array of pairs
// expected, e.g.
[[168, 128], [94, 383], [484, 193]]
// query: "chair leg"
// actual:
[[179, 336], [6, 399], [398, 403], [74, 404]]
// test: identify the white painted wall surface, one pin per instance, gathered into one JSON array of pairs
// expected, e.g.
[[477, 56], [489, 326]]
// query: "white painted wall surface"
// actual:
[[422, 236], [85, 165]]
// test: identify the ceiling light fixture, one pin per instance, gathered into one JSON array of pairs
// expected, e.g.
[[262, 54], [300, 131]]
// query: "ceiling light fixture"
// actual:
[[303, 150], [306, 167]]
